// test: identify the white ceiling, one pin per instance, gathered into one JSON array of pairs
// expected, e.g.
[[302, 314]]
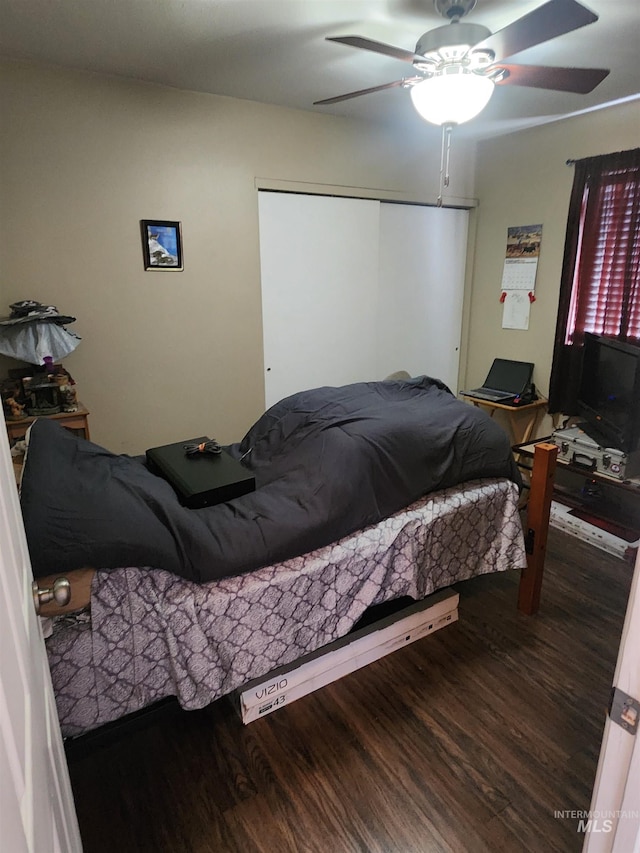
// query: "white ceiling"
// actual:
[[275, 51]]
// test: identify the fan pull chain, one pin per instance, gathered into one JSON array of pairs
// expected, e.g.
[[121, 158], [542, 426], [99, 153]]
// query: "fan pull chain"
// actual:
[[444, 160]]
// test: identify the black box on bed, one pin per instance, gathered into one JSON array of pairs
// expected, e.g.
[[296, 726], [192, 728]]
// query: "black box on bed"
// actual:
[[201, 480]]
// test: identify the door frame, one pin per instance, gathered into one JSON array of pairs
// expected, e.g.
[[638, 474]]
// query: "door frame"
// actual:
[[613, 821], [37, 812]]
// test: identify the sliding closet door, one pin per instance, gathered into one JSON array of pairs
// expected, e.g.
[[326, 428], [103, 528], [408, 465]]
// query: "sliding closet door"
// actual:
[[353, 290], [422, 266], [319, 272]]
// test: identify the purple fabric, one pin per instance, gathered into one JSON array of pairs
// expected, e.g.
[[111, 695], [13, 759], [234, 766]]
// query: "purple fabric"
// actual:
[[154, 634]]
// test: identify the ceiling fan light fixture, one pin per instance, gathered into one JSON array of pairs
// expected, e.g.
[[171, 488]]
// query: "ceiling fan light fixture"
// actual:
[[452, 96]]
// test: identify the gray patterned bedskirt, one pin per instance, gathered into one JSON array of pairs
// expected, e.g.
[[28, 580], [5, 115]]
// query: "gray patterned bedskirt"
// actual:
[[152, 634]]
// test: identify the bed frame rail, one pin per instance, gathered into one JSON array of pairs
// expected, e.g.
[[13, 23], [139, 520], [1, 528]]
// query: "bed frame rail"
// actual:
[[537, 526]]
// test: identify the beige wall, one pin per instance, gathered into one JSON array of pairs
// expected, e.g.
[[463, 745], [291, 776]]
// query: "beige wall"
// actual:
[[83, 158], [523, 179], [169, 355]]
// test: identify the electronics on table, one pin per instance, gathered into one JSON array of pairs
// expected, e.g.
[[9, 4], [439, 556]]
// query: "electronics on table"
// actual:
[[607, 440], [508, 382]]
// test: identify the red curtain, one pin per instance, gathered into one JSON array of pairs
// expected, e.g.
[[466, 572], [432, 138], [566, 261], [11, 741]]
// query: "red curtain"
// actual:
[[600, 284]]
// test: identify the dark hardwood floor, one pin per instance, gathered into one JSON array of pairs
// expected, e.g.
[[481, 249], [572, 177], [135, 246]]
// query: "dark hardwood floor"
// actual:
[[468, 740]]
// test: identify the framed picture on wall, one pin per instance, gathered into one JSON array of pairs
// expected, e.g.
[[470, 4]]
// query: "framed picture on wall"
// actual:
[[161, 244]]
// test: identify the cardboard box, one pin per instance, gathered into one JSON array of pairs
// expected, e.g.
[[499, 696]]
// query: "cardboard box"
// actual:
[[562, 517], [287, 683]]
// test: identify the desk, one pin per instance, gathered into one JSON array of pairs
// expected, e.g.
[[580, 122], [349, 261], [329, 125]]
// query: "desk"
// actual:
[[521, 420], [75, 421]]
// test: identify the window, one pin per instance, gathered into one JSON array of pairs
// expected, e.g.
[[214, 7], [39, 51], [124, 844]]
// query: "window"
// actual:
[[600, 285]]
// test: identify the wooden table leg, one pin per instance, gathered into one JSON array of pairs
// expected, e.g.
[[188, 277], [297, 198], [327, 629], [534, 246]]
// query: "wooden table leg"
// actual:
[[538, 511]]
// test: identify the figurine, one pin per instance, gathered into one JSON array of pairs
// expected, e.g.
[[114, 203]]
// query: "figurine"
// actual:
[[16, 409], [69, 398]]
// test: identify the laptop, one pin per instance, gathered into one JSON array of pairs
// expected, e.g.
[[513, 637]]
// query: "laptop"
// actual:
[[505, 381]]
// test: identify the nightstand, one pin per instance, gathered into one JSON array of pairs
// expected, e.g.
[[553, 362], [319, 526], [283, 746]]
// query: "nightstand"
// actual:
[[77, 422]]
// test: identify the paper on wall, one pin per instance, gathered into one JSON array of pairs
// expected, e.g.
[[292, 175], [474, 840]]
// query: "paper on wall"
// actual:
[[519, 274], [516, 308]]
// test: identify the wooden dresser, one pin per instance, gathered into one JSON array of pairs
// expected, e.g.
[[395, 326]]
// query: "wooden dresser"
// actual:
[[77, 422]]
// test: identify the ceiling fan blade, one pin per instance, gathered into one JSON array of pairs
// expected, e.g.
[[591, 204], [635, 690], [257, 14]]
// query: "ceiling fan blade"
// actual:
[[580, 80], [378, 47], [360, 92], [552, 19]]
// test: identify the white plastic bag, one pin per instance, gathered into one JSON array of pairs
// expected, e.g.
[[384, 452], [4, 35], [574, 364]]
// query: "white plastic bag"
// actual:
[[32, 342]]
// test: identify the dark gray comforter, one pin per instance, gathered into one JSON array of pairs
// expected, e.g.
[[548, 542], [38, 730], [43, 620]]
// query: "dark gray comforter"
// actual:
[[327, 462]]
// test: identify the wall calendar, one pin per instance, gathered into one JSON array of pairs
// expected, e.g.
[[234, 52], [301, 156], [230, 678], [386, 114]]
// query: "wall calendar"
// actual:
[[519, 274]]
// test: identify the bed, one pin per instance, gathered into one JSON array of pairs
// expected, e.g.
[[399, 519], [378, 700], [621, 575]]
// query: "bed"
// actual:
[[365, 494]]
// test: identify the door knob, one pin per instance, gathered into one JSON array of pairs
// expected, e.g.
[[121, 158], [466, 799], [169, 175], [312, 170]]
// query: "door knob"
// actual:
[[59, 591]]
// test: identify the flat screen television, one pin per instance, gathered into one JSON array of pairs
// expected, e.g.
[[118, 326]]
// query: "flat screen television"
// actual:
[[609, 393]]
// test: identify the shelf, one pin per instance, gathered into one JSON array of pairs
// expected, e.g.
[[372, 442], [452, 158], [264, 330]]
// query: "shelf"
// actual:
[[526, 450]]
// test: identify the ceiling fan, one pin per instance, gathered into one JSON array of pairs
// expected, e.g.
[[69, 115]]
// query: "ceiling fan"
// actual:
[[457, 66]]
